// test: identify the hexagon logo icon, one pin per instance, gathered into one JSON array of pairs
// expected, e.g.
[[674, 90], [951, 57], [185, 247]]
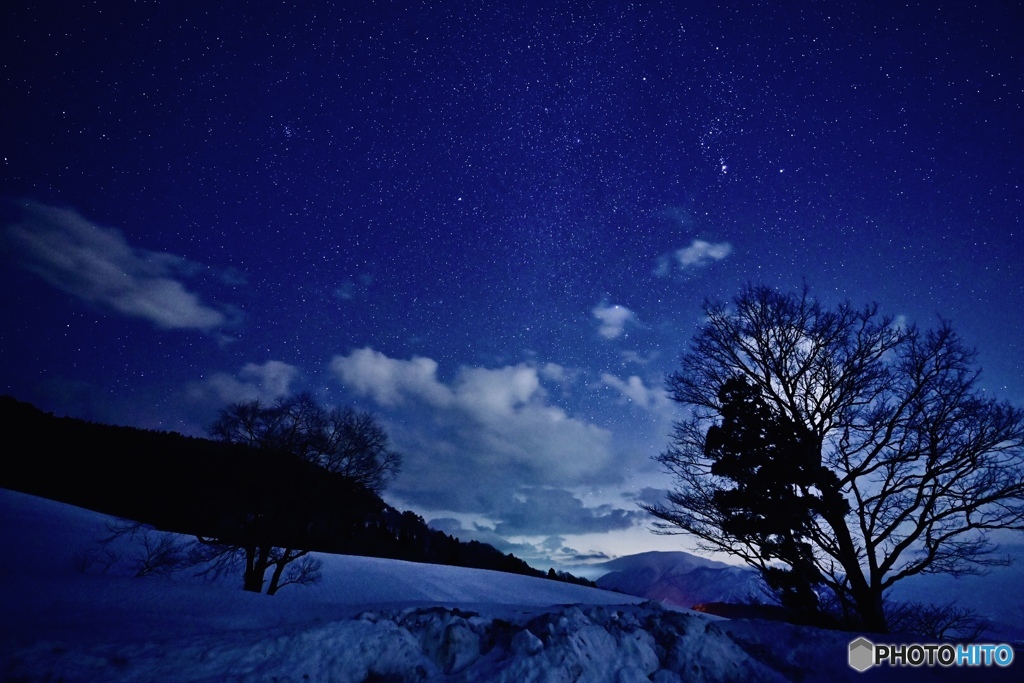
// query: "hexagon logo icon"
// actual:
[[862, 654]]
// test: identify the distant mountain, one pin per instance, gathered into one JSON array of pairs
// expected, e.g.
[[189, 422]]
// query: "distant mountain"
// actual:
[[680, 579]]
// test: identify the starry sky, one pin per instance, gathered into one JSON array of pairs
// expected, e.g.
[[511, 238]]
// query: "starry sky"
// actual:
[[490, 224]]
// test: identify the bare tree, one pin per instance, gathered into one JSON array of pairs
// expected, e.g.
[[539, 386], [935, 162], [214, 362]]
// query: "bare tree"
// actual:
[[290, 566], [146, 551], [927, 465], [936, 622], [344, 441]]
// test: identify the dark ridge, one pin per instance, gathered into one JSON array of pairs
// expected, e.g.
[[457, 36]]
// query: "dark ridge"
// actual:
[[202, 487]]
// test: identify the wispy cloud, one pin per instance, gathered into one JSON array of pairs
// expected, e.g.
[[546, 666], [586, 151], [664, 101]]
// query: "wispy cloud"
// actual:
[[639, 394], [346, 290], [647, 495], [551, 512], [350, 289], [612, 319], [265, 382], [699, 254], [629, 356], [97, 265]]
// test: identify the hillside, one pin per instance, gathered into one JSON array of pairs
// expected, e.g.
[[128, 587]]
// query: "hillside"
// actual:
[[211, 488], [368, 619]]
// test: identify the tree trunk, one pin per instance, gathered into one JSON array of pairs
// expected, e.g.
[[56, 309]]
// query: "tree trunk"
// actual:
[[275, 578], [866, 601], [872, 612], [255, 567]]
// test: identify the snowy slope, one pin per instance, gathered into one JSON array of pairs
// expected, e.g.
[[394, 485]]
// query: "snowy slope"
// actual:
[[50, 536], [997, 595], [368, 620]]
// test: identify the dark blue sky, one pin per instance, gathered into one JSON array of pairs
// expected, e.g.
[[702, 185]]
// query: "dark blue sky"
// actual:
[[493, 226]]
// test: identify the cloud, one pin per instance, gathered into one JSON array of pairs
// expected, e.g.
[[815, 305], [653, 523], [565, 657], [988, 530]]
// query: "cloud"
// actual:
[[699, 254], [98, 265], [349, 289], [549, 551], [266, 382], [447, 525], [391, 382], [346, 290], [555, 373], [613, 319], [635, 391], [471, 443], [630, 356], [552, 543], [554, 511], [648, 496], [576, 557]]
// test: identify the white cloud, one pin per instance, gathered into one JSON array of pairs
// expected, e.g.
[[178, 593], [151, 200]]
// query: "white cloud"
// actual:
[[98, 265], [489, 429], [390, 381], [497, 394], [630, 356], [554, 372], [266, 382], [699, 254], [634, 390], [613, 319]]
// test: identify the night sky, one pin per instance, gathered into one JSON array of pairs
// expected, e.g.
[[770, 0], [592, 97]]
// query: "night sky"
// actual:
[[492, 226]]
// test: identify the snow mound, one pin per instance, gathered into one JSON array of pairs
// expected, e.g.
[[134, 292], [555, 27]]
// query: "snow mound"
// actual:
[[570, 643]]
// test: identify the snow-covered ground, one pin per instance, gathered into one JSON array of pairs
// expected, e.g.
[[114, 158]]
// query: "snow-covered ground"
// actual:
[[368, 619]]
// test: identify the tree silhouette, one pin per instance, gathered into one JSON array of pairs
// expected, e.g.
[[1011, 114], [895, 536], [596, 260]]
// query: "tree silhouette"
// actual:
[[777, 489], [923, 466], [317, 454], [343, 441]]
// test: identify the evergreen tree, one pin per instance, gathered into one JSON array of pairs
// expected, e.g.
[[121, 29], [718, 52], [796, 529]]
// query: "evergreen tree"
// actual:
[[778, 486]]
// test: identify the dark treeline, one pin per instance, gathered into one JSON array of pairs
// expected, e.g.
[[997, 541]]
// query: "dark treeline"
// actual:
[[215, 489]]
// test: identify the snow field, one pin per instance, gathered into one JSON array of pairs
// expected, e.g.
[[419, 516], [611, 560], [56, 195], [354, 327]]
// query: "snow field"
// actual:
[[372, 620]]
